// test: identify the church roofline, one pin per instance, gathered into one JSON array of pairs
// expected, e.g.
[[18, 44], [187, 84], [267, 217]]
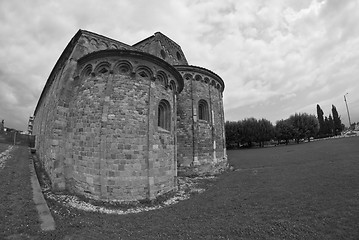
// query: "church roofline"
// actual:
[[153, 36], [142, 41], [104, 37], [64, 57], [59, 63], [201, 70]]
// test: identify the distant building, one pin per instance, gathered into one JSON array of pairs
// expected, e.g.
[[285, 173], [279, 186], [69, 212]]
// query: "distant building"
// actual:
[[30, 125], [118, 122]]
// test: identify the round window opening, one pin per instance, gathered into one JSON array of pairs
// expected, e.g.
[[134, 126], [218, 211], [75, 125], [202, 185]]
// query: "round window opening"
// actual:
[[163, 54], [179, 57]]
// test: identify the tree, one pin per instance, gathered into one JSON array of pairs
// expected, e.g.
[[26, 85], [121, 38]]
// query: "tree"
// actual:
[[337, 122], [234, 133], [230, 129], [265, 131], [321, 120], [249, 131], [284, 131], [312, 125], [330, 125], [304, 126]]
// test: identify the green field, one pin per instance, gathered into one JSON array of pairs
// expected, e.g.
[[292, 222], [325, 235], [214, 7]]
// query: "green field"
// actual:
[[304, 191]]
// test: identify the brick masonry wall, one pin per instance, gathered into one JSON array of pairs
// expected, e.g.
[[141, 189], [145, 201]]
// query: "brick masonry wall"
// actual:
[[185, 135], [134, 158], [97, 134], [200, 142], [161, 46], [107, 144], [130, 157], [51, 117]]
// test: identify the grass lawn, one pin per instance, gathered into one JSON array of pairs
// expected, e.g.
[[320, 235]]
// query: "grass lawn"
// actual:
[[305, 191]]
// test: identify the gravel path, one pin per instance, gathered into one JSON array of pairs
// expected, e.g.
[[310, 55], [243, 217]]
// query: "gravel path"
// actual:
[[18, 215]]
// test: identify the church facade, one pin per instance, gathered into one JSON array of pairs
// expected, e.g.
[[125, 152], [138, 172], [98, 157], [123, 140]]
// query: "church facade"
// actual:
[[120, 122]]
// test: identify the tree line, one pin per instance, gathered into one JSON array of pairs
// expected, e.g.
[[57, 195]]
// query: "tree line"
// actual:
[[331, 125], [297, 127]]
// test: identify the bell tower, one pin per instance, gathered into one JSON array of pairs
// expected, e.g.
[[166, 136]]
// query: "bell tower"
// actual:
[[163, 47]]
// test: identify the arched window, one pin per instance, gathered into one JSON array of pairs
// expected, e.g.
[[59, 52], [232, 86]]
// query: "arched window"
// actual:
[[203, 112], [164, 115]]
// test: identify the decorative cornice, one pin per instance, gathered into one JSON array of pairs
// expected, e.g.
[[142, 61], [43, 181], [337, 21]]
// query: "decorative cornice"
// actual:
[[201, 70], [104, 38], [135, 54]]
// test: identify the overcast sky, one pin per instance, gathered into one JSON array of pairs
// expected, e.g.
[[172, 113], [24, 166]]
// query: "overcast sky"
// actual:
[[275, 57]]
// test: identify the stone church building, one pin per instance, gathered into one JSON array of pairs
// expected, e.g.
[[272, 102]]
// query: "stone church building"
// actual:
[[120, 122]]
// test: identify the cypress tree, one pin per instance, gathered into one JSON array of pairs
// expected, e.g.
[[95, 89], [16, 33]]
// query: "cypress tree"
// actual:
[[337, 121], [330, 125], [322, 127]]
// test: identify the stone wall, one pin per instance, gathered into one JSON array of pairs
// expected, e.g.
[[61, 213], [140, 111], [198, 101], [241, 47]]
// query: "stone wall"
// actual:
[[200, 138], [118, 151], [97, 130], [97, 123], [50, 117], [163, 47]]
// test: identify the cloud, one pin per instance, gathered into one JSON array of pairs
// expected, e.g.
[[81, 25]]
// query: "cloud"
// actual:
[[276, 57]]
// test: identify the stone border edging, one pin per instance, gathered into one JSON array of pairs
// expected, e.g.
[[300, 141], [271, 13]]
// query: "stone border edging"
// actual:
[[46, 219]]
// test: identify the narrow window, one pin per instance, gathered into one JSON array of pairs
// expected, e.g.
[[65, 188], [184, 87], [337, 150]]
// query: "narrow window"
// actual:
[[203, 112], [164, 115]]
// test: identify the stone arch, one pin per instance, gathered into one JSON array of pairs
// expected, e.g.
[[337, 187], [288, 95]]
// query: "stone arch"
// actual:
[[123, 67], [103, 68], [144, 72], [86, 71], [102, 45], [198, 77], [164, 115], [187, 76], [162, 78], [94, 42], [113, 46], [173, 86], [86, 39]]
